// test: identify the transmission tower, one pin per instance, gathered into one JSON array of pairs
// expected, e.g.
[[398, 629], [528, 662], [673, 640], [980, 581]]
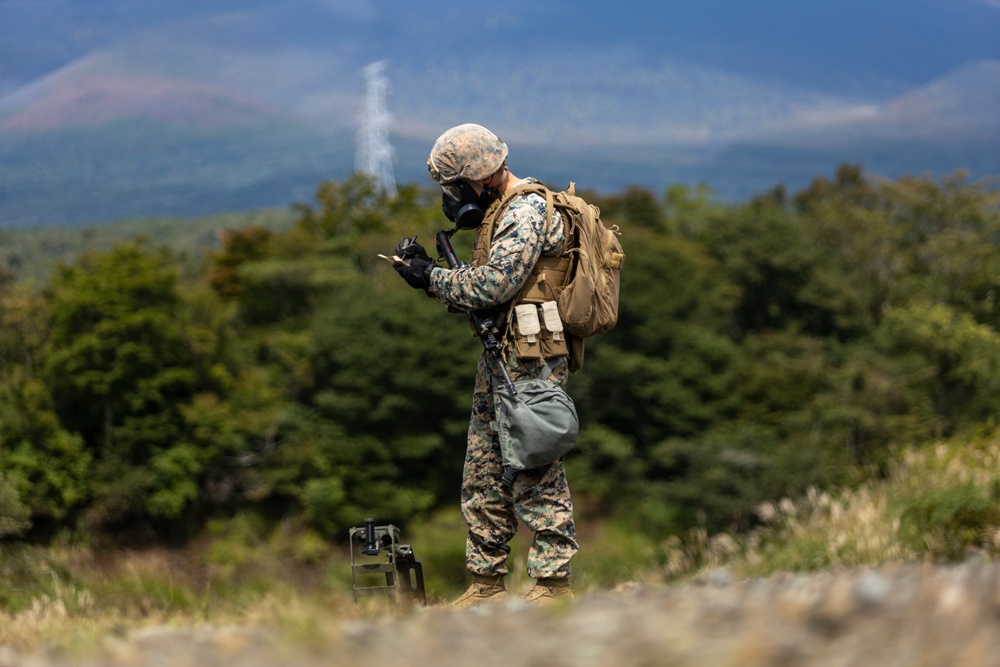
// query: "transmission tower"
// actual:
[[373, 152]]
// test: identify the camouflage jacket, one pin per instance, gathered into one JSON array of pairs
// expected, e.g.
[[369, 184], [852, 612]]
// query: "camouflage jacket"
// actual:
[[519, 240]]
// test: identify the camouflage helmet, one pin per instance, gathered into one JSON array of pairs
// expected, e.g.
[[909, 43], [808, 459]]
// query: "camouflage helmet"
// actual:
[[469, 152]]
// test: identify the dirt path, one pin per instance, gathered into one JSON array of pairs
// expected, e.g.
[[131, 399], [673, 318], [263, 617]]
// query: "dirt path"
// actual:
[[907, 615]]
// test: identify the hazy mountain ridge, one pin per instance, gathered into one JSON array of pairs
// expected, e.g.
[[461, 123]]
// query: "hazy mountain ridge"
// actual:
[[967, 101], [106, 87], [205, 115]]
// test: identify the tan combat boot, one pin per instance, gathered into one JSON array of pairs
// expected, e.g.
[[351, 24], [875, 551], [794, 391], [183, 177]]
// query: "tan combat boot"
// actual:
[[547, 591], [483, 589]]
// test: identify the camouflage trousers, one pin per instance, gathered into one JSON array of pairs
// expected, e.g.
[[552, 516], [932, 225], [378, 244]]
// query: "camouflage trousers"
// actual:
[[539, 497]]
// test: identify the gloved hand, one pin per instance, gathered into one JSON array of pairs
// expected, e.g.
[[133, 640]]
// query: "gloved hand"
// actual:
[[418, 273], [409, 249]]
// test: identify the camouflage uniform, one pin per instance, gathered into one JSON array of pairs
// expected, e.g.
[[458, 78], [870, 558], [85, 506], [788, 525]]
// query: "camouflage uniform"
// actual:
[[539, 497]]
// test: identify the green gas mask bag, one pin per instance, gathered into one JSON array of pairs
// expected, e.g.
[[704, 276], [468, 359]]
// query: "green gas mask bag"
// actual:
[[537, 426]]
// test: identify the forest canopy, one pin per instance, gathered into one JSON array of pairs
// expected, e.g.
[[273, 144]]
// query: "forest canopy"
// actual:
[[762, 348]]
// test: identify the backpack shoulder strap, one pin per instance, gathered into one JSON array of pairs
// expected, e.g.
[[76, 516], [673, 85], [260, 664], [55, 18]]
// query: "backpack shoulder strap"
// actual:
[[484, 239], [528, 189]]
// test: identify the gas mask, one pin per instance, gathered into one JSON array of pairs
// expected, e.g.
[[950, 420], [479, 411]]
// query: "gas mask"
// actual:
[[463, 206]]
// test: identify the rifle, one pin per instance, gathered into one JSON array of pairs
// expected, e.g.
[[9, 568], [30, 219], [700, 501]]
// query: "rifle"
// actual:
[[483, 321]]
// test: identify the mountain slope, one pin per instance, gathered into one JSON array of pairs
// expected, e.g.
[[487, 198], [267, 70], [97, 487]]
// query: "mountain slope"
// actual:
[[958, 106], [154, 169]]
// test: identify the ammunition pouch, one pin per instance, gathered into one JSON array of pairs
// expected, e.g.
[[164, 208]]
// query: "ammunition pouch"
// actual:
[[536, 325]]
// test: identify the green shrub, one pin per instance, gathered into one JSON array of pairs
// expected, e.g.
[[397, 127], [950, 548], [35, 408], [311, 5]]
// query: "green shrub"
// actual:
[[947, 522], [28, 575], [438, 542], [14, 515]]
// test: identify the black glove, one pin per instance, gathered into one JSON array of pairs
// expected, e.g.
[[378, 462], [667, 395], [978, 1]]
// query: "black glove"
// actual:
[[409, 249], [418, 273]]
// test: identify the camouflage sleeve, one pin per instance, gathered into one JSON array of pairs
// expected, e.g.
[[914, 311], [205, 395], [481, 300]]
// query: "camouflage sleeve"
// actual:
[[519, 240]]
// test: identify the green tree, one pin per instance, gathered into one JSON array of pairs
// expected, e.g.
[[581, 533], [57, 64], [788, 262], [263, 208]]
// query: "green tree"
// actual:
[[959, 360], [14, 515], [336, 342], [761, 347], [388, 404], [120, 363], [47, 465], [784, 277], [667, 367]]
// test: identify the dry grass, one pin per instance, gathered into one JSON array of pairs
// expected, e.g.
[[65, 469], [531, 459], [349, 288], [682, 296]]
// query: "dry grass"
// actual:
[[939, 503], [914, 615]]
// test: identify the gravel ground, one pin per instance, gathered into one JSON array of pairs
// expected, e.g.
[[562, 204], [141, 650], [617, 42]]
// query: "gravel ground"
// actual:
[[907, 615]]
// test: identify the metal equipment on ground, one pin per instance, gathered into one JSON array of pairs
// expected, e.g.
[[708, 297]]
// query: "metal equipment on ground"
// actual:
[[403, 574]]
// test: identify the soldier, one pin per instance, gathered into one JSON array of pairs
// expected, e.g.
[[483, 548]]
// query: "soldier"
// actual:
[[470, 154]]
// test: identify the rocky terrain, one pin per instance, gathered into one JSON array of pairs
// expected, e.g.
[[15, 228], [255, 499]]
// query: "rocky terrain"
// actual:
[[912, 615]]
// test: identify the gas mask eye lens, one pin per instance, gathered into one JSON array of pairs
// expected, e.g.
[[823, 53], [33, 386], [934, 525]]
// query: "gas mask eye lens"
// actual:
[[453, 189]]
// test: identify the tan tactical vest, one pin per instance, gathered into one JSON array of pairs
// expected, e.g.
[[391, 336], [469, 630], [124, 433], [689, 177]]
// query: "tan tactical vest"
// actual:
[[533, 325]]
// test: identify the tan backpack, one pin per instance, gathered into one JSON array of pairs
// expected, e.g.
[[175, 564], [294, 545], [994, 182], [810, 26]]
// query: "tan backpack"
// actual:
[[588, 294], [589, 301]]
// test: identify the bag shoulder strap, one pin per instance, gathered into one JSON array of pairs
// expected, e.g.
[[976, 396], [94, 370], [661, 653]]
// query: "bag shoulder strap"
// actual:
[[543, 374]]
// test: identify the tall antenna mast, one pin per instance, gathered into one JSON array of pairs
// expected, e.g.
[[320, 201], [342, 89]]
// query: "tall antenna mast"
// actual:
[[373, 152]]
